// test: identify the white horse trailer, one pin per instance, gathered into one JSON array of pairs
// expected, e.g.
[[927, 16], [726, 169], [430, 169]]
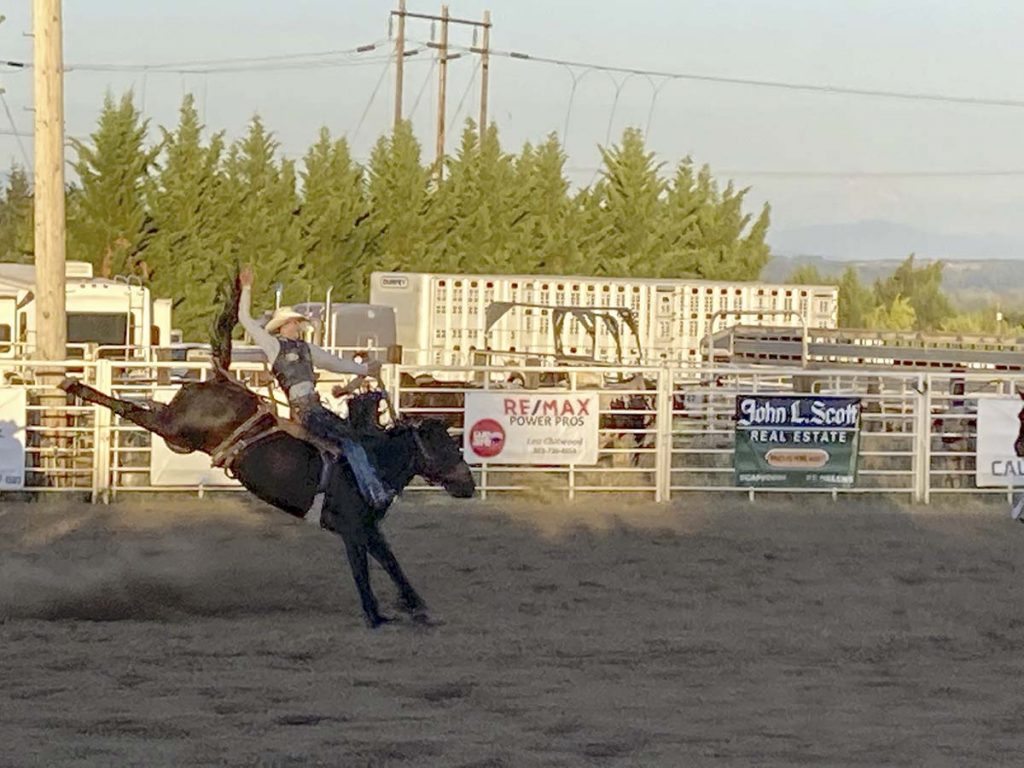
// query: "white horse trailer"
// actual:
[[442, 318], [119, 314]]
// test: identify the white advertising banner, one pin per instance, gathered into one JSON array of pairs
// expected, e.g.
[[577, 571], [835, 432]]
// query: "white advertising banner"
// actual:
[[13, 412], [998, 425], [168, 468], [531, 428]]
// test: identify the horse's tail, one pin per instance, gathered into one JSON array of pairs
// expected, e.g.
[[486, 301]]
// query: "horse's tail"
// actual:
[[224, 325]]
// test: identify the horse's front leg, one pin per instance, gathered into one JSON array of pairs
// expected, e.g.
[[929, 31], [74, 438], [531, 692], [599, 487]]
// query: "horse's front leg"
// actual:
[[409, 599], [355, 548]]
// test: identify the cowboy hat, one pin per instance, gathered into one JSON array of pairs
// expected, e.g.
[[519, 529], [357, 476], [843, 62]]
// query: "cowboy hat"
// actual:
[[284, 315]]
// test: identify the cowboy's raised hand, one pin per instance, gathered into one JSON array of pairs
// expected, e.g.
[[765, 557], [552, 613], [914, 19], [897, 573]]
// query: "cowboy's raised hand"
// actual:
[[245, 276]]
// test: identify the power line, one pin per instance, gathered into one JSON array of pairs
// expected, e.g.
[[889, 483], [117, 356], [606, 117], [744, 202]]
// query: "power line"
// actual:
[[254, 67], [300, 60], [328, 58], [842, 174], [423, 87], [15, 132], [209, 62], [879, 174], [373, 96], [759, 83], [278, 57], [465, 93]]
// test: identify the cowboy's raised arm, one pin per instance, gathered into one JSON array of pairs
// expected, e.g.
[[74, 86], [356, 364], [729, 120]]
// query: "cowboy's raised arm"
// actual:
[[259, 336]]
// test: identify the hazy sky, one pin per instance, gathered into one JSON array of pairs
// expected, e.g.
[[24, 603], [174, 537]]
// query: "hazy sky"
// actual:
[[966, 48]]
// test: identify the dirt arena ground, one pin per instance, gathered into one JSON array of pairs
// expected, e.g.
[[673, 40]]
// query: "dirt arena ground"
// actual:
[[712, 632]]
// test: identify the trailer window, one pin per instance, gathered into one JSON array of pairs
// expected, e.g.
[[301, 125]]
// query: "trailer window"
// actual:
[[97, 328], [5, 337]]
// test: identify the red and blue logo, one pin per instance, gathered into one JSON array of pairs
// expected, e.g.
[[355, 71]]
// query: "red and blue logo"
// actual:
[[486, 438]]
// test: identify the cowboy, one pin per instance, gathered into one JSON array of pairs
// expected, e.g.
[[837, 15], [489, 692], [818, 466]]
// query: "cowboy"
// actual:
[[292, 361]]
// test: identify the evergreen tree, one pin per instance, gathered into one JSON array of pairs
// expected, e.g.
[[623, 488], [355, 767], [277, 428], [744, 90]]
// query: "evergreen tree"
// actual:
[[16, 217], [333, 220], [260, 202], [107, 213], [397, 187], [474, 206], [545, 236], [182, 224], [621, 213], [187, 214], [705, 232]]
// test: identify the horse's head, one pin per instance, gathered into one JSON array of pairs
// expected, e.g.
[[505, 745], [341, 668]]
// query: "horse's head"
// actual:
[[439, 459]]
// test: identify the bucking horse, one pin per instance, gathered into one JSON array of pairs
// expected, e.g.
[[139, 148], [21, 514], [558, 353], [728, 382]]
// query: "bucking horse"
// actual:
[[284, 466]]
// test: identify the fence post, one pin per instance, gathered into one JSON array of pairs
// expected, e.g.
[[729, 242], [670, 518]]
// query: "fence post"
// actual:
[[102, 420], [663, 436], [922, 439], [394, 385]]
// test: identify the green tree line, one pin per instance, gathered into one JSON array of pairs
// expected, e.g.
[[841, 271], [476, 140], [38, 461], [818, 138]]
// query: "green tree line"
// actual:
[[178, 206], [910, 299]]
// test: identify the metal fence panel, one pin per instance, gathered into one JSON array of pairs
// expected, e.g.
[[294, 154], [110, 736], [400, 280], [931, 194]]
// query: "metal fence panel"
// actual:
[[664, 431]]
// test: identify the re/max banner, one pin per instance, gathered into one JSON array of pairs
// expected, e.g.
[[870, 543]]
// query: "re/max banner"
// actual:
[[796, 441]]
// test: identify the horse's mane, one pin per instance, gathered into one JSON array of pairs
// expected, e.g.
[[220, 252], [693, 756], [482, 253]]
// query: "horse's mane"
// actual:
[[229, 292]]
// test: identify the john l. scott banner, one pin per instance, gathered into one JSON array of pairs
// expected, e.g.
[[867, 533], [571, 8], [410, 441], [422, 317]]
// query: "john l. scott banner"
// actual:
[[12, 438], [531, 428], [998, 464], [796, 441]]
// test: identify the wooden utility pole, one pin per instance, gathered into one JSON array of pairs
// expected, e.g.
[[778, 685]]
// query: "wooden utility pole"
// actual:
[[399, 62], [444, 58], [51, 320], [442, 86], [485, 66]]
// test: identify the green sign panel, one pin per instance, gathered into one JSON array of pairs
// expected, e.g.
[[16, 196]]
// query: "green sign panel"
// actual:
[[787, 441]]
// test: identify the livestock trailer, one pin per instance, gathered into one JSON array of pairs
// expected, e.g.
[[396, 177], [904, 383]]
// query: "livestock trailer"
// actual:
[[443, 318]]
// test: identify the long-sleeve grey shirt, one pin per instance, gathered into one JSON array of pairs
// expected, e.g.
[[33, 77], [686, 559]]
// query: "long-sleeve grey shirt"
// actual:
[[271, 347]]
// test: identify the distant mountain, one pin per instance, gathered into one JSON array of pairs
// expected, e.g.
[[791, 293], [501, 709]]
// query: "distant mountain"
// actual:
[[970, 283], [880, 240]]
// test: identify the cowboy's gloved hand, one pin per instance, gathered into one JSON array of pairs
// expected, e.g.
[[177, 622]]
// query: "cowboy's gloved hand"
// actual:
[[343, 390]]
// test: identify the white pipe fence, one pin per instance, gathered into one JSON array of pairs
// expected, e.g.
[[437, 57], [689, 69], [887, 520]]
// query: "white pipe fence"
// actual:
[[664, 431]]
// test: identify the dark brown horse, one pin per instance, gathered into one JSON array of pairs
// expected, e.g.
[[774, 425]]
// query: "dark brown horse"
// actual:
[[288, 472]]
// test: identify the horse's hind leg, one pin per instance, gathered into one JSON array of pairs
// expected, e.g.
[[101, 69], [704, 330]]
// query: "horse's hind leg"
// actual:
[[360, 566], [409, 599], [143, 416]]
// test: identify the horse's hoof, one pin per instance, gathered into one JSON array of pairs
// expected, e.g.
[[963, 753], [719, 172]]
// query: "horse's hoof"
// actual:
[[411, 607], [423, 619], [374, 622]]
